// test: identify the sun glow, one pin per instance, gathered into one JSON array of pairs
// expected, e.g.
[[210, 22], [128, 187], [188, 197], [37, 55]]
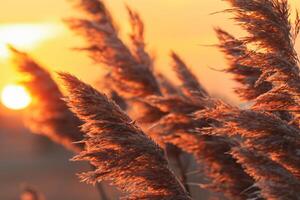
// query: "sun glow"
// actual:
[[24, 36], [15, 97]]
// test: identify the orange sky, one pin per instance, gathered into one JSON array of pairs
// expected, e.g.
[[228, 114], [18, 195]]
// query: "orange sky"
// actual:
[[185, 26]]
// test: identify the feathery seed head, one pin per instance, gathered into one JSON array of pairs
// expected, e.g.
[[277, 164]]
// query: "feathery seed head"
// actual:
[[120, 151]]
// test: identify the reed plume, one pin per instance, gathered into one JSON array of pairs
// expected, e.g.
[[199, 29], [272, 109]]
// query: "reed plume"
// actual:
[[48, 115], [104, 85], [167, 105], [242, 66], [178, 128], [173, 104], [190, 84], [224, 174], [272, 63], [166, 87], [119, 149], [30, 193], [257, 131], [273, 179], [273, 37], [131, 77], [130, 71], [137, 38]]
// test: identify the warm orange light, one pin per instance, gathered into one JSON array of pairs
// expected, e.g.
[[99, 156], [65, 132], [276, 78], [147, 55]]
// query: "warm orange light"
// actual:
[[24, 36], [15, 97]]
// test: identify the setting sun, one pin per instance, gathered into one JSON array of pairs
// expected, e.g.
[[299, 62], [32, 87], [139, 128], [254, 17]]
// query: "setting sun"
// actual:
[[15, 97]]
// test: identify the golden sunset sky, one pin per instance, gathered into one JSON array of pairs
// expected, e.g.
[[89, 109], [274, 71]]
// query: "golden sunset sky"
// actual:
[[185, 26]]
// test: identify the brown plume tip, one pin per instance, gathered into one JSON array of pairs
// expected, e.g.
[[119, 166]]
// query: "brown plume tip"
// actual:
[[120, 151], [29, 193], [274, 180], [48, 115], [190, 84]]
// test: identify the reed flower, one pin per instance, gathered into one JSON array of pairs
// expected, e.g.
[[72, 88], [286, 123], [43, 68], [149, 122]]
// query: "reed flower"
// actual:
[[137, 37], [29, 193], [178, 128], [190, 84], [167, 88], [272, 36], [48, 115], [131, 77], [273, 179], [119, 149], [130, 69], [257, 131], [104, 85], [242, 66]]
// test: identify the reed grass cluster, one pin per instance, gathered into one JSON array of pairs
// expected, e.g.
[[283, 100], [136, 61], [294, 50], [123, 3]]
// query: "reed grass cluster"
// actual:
[[249, 153]]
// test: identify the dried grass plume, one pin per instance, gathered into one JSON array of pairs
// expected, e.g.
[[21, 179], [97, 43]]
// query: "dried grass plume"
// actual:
[[122, 153]]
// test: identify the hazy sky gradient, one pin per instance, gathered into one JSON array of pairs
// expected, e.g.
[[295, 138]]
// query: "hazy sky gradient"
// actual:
[[185, 26]]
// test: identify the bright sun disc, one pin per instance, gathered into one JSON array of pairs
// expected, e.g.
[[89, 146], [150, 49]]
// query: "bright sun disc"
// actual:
[[15, 97]]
